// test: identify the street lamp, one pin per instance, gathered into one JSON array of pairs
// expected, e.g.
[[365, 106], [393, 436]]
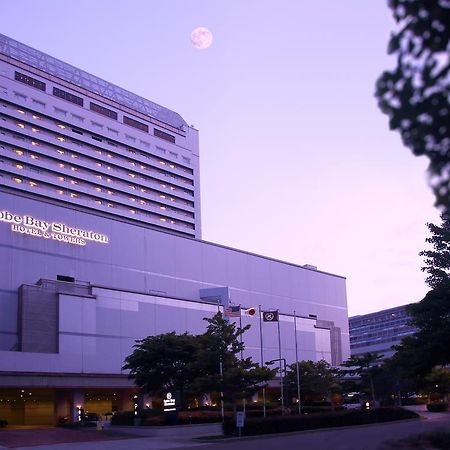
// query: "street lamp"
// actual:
[[273, 361]]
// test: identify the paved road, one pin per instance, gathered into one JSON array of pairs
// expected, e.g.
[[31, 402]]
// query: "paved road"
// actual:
[[369, 437]]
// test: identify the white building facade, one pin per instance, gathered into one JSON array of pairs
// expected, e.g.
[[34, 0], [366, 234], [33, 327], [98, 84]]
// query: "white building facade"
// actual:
[[82, 280]]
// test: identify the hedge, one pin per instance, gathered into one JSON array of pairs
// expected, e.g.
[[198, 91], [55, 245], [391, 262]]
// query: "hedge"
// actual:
[[285, 424], [437, 407]]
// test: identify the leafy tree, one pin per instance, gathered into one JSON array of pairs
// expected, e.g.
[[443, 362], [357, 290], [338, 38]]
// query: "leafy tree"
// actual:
[[164, 362], [222, 370], [366, 367], [317, 380], [415, 94], [437, 260], [428, 347]]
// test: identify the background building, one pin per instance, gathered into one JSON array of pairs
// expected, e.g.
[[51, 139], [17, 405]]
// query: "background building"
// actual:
[[379, 331], [99, 242]]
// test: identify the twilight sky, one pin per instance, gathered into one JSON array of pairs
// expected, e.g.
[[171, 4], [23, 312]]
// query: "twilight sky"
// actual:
[[297, 162]]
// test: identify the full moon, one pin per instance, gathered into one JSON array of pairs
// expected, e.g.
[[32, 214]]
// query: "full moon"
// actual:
[[201, 38]]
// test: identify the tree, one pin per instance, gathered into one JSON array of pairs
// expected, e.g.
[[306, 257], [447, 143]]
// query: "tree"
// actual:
[[366, 367], [415, 94], [222, 370], [428, 347], [317, 380], [437, 260], [164, 362]]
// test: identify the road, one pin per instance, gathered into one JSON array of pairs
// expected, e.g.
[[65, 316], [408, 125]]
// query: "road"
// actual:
[[367, 437]]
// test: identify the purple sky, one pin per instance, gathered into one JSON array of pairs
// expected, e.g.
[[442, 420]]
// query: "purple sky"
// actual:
[[297, 162]]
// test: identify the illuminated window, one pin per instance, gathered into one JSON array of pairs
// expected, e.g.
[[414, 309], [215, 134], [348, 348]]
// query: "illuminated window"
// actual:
[[132, 175], [143, 190], [61, 178], [108, 167], [143, 202], [21, 125], [132, 199], [73, 181], [132, 163], [109, 156], [162, 196], [73, 195], [20, 111], [143, 167], [172, 188], [60, 151], [110, 205], [99, 164], [35, 130], [59, 191], [132, 211], [163, 163], [108, 180], [61, 165], [33, 184], [74, 156], [162, 219], [34, 143], [98, 189], [133, 187], [19, 152], [19, 166], [17, 180], [172, 199], [60, 138], [172, 166], [110, 192], [36, 117], [162, 207], [172, 221], [34, 156], [74, 169], [98, 201], [60, 125], [99, 177]]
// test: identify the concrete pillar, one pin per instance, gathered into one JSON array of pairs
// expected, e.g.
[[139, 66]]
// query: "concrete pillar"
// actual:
[[62, 405]]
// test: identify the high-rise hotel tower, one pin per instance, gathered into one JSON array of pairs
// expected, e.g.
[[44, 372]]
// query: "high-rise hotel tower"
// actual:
[[68, 137]]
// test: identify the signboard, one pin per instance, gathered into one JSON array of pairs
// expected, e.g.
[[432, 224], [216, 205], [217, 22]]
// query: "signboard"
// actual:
[[57, 231], [240, 417], [170, 403]]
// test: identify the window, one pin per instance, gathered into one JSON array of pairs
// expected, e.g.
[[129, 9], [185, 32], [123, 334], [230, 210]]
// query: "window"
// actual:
[[38, 103], [74, 130], [67, 96], [135, 124], [96, 138], [77, 117], [60, 111], [103, 111], [163, 135], [29, 80]]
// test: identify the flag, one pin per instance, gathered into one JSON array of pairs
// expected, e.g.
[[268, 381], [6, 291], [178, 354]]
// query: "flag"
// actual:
[[270, 316], [232, 311], [250, 312]]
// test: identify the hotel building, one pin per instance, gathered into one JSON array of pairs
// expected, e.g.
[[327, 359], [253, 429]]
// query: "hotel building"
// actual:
[[100, 243]]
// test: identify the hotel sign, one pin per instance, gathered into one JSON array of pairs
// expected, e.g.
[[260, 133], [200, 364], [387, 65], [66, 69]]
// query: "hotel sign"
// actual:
[[56, 231]]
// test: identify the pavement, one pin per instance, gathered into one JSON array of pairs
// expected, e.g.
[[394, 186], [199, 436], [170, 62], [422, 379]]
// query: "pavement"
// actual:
[[364, 437]]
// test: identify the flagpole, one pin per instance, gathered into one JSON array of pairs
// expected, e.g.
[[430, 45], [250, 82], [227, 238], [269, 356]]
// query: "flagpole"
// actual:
[[281, 366], [242, 357], [262, 359], [298, 368]]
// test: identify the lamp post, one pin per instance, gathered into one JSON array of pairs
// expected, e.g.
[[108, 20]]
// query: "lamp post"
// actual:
[[282, 360]]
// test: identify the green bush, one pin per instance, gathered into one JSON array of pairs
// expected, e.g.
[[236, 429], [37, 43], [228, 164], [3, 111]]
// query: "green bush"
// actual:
[[123, 418], [285, 424], [437, 407]]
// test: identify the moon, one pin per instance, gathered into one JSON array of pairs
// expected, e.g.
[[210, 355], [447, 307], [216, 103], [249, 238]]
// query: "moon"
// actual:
[[201, 38]]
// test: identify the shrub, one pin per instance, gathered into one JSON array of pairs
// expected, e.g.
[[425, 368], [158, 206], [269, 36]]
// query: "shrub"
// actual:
[[309, 422], [437, 407], [3, 423], [123, 418]]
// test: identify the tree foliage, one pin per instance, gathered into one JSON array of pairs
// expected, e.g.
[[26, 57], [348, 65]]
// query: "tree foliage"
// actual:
[[317, 380], [415, 95], [194, 365], [221, 366], [366, 367], [164, 362], [437, 260], [429, 346]]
